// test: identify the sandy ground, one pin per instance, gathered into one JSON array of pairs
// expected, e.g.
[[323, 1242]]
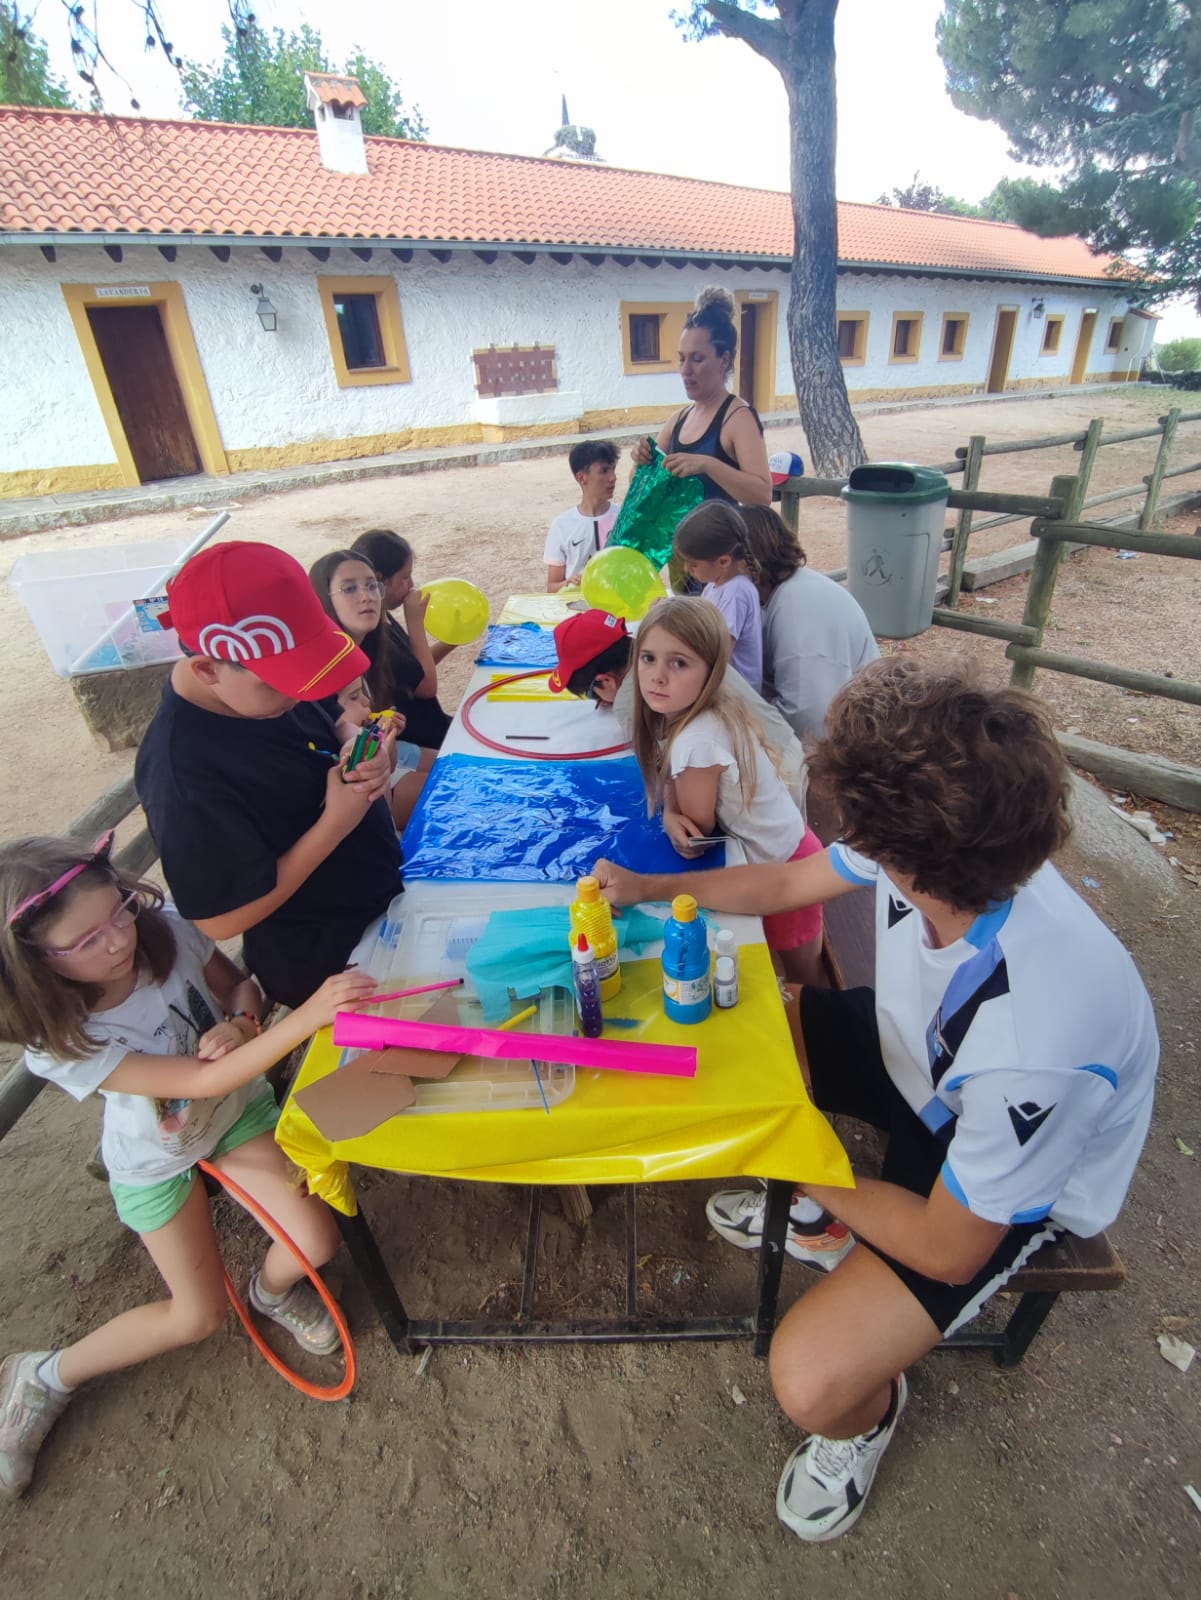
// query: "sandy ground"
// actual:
[[621, 1471]]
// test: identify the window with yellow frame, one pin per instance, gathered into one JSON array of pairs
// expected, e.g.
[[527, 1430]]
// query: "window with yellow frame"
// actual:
[[650, 334], [953, 340], [906, 342], [1052, 334], [851, 333], [1113, 342], [365, 330]]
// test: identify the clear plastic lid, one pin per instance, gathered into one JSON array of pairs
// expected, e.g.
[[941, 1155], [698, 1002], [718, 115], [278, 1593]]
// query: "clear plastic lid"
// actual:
[[727, 944]]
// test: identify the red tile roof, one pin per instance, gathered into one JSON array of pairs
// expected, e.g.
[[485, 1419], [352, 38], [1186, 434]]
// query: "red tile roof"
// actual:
[[333, 90], [64, 172]]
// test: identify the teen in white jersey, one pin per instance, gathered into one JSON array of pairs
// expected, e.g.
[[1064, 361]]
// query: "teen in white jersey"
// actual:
[[1008, 1049]]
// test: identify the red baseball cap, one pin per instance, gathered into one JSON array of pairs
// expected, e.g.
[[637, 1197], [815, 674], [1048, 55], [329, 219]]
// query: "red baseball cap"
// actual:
[[254, 605], [579, 640]]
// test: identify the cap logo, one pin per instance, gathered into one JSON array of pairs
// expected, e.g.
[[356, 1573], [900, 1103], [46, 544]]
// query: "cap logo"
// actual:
[[248, 640]]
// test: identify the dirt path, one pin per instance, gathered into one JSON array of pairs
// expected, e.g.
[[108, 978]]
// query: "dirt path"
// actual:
[[624, 1472]]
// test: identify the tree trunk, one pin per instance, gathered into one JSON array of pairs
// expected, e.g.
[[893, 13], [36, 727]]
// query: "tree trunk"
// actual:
[[808, 72]]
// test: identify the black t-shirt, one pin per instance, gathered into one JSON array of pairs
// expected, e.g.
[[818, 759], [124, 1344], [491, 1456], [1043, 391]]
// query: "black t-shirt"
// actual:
[[425, 721], [225, 797]]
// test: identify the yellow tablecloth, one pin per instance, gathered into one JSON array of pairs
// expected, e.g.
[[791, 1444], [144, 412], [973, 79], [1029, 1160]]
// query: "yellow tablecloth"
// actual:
[[745, 1113]]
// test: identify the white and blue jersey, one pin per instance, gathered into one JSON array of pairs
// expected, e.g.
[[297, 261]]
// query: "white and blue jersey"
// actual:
[[1028, 1047]]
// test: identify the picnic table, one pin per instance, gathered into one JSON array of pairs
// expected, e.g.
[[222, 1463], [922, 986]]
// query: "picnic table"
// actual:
[[744, 1114]]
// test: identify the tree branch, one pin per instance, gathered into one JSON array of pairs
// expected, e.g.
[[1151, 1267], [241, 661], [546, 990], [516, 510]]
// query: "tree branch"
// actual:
[[765, 38]]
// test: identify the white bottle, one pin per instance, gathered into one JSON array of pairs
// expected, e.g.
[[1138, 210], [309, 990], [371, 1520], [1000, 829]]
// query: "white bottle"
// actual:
[[725, 983]]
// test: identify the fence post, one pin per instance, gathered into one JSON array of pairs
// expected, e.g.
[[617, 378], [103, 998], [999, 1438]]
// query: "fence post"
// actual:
[[790, 506], [1043, 574], [1146, 521], [963, 528]]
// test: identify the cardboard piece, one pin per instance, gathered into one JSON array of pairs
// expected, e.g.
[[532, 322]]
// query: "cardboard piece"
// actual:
[[352, 1102], [397, 1063]]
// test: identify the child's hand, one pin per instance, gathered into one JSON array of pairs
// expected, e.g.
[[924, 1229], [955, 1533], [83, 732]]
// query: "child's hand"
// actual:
[[415, 604], [219, 1041], [347, 800], [679, 829], [338, 993], [619, 886]]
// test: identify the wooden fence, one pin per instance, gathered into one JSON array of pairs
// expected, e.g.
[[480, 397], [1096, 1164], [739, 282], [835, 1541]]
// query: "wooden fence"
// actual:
[[1056, 521]]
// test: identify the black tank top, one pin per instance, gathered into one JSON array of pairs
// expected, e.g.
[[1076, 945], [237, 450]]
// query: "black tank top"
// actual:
[[709, 444]]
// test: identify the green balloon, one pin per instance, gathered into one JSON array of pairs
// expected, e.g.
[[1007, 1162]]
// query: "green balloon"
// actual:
[[622, 582], [458, 611]]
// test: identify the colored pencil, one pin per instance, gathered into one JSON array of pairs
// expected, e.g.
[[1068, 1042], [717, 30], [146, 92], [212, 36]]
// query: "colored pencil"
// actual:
[[403, 994], [522, 1016], [527, 735]]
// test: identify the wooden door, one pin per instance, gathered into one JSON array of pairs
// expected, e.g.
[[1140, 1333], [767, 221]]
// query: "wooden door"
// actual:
[[1002, 350], [137, 363], [1084, 343], [746, 354]]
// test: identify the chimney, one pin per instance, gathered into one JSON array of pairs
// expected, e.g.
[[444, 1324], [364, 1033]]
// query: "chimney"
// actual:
[[336, 102]]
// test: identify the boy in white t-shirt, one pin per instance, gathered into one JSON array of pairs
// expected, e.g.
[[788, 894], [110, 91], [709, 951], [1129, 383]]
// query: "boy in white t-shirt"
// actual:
[[1008, 1050], [576, 535]]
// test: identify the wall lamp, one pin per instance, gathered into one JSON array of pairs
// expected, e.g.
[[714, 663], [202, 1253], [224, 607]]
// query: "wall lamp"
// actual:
[[1036, 310], [265, 311]]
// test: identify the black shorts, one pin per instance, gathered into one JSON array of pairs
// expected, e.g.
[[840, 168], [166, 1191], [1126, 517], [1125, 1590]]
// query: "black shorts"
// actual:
[[849, 1079]]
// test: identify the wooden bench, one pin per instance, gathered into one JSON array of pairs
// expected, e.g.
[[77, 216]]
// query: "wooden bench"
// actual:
[[1065, 1265]]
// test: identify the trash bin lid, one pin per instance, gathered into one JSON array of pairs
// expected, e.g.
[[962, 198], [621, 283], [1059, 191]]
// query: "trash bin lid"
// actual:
[[896, 482]]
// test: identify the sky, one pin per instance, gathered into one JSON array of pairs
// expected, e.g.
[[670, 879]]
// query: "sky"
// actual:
[[491, 76]]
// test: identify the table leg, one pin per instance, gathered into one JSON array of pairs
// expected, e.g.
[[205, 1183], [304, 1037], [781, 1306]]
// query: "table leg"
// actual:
[[364, 1252], [771, 1261]]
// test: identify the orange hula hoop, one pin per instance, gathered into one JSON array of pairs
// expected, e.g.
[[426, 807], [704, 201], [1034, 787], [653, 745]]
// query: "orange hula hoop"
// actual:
[[315, 1391]]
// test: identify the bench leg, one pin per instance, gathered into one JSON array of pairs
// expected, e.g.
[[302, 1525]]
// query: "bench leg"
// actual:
[[1031, 1312]]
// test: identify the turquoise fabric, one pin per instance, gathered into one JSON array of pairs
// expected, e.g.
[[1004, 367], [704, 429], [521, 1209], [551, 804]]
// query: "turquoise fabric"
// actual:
[[523, 952]]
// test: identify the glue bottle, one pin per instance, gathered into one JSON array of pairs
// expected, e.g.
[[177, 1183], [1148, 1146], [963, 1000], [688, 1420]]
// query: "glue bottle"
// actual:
[[686, 990], [587, 988], [725, 971], [591, 916]]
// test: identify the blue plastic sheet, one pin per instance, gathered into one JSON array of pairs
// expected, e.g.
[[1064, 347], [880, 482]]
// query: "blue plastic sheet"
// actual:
[[517, 645], [642, 846], [523, 952], [480, 820]]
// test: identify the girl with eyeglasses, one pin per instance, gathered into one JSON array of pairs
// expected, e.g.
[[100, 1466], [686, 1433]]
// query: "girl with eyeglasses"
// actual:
[[110, 991]]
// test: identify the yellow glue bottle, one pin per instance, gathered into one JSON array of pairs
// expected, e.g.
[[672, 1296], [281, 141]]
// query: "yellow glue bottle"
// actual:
[[591, 916]]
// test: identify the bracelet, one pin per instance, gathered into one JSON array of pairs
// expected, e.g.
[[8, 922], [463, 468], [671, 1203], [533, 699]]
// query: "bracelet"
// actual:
[[250, 1017]]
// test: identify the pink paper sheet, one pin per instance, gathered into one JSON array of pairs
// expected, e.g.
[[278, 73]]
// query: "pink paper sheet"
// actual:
[[356, 1030]]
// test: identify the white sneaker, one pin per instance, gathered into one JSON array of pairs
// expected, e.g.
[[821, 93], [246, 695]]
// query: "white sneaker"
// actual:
[[737, 1215], [825, 1482], [29, 1409], [302, 1312]]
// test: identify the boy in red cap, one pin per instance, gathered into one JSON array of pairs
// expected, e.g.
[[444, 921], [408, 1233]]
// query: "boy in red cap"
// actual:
[[240, 776], [594, 651]]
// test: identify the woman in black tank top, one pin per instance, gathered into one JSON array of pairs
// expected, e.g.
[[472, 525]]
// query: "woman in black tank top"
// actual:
[[717, 437]]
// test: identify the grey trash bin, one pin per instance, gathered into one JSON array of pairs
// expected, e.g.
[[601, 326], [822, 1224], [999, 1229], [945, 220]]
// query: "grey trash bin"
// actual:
[[895, 518]]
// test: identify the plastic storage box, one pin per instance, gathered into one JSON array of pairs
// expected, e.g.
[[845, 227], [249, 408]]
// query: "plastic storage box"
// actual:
[[74, 597]]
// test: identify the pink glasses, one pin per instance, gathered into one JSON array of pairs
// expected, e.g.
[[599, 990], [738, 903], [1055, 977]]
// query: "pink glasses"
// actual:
[[122, 917], [43, 897]]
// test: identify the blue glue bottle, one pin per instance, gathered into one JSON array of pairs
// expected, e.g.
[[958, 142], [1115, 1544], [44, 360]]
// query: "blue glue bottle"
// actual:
[[587, 988], [687, 995]]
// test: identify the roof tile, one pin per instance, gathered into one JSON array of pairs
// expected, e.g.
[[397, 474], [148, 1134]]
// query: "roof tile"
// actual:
[[77, 172]]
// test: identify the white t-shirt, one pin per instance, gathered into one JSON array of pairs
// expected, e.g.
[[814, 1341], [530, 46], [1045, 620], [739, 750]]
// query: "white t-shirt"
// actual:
[[1028, 1046], [574, 539], [738, 601], [146, 1141], [771, 827], [815, 637]]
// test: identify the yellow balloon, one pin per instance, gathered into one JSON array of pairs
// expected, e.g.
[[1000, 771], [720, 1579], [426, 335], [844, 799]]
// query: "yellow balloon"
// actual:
[[621, 581], [458, 611]]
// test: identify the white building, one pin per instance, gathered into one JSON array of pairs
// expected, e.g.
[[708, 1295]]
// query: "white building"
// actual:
[[422, 296]]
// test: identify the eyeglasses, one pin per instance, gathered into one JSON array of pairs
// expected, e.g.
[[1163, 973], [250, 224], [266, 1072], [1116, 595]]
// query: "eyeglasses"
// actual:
[[123, 917], [368, 586], [100, 852]]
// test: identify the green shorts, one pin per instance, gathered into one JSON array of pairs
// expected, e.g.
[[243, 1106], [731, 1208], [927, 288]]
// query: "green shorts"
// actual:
[[145, 1207]]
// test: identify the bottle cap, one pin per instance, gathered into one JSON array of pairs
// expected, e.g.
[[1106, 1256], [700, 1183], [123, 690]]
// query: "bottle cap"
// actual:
[[727, 944], [587, 889], [683, 908]]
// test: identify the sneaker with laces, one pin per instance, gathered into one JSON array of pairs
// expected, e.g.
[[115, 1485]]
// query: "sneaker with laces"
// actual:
[[825, 1482], [29, 1409], [302, 1312], [738, 1214]]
